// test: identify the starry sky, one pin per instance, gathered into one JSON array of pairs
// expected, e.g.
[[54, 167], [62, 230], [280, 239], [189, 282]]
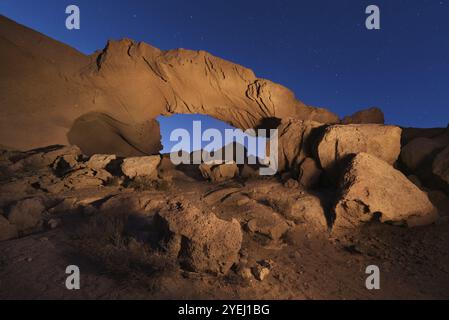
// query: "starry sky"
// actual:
[[320, 49]]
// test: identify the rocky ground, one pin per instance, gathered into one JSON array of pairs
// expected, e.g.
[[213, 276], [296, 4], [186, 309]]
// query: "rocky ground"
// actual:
[[144, 228]]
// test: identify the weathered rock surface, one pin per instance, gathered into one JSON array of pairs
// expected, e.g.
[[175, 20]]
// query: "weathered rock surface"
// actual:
[[268, 224], [141, 166], [415, 153], [372, 189], [219, 172], [27, 215], [201, 241], [112, 90], [340, 141], [294, 143], [371, 115], [100, 161], [440, 166]]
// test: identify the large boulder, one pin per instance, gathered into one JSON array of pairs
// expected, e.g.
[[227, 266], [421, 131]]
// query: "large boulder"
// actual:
[[86, 178], [371, 115], [201, 241], [219, 172], [371, 189], [416, 152], [295, 142], [141, 167], [340, 141], [440, 165]]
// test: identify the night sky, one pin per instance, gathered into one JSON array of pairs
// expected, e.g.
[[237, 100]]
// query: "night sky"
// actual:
[[320, 49]]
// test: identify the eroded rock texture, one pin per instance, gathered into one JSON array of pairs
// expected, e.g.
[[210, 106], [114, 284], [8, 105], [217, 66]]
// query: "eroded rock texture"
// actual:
[[371, 189]]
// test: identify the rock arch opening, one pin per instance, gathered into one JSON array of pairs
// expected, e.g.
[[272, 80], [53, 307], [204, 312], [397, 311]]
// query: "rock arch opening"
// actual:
[[196, 132]]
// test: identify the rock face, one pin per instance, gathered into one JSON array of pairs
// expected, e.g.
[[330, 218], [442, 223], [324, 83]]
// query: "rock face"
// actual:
[[340, 141], [372, 189], [294, 143], [219, 172], [141, 166], [100, 161], [417, 151], [440, 166], [201, 241], [117, 93], [372, 115]]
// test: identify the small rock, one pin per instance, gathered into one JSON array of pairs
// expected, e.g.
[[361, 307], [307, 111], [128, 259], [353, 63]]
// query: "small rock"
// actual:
[[54, 223], [416, 152], [200, 240]]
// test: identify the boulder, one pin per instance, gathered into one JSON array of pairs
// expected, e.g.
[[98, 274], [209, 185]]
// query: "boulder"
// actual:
[[307, 210], [7, 230], [371, 115], [340, 141], [371, 189], [100, 161], [27, 215], [141, 167], [294, 142], [440, 166], [201, 241], [219, 172], [309, 173], [416, 152]]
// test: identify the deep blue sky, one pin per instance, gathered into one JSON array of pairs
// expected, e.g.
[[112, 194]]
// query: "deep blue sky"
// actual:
[[318, 48]]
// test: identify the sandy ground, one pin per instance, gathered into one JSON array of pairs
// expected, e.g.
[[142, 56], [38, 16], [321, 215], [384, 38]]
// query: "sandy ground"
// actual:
[[307, 264]]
